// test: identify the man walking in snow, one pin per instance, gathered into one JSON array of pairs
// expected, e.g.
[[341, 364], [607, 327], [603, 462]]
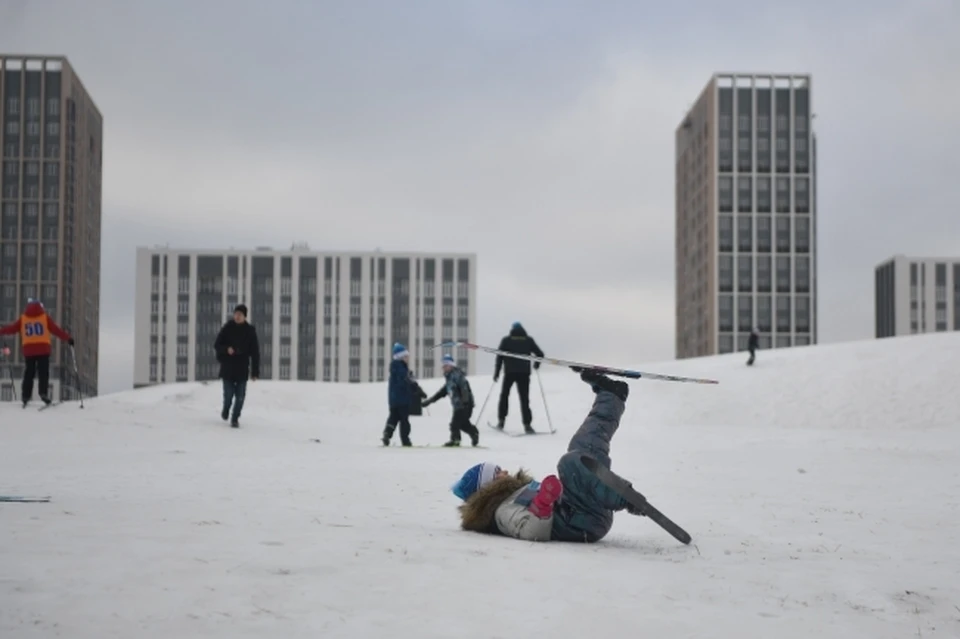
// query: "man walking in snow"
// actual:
[[35, 328], [238, 351], [516, 371], [752, 345]]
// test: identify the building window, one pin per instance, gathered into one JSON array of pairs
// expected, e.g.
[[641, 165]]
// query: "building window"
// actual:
[[725, 230], [354, 373], [355, 351], [783, 314], [783, 234], [183, 329], [744, 195], [286, 286], [181, 372], [725, 306], [354, 330], [183, 308], [284, 372], [783, 274], [802, 266], [764, 313], [725, 344], [153, 372], [285, 351], [744, 233], [725, 188], [285, 309], [744, 273], [184, 285]]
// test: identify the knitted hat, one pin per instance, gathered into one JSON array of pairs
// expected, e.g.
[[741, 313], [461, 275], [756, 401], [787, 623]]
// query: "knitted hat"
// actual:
[[516, 325], [242, 308], [448, 360], [400, 351], [475, 479]]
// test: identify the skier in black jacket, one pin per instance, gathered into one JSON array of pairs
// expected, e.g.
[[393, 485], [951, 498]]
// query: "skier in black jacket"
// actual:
[[516, 371], [238, 352]]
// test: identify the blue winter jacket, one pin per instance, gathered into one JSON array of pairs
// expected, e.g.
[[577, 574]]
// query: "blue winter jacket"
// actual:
[[399, 390]]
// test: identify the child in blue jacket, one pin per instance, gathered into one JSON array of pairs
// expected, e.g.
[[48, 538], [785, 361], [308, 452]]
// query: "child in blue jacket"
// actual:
[[399, 396]]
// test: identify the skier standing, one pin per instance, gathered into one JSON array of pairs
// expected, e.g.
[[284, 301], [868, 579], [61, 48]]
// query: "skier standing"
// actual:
[[238, 351], [516, 371], [399, 396], [461, 397], [35, 328], [576, 506]]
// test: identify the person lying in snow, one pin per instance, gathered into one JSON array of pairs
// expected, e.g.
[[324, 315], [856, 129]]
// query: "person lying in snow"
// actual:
[[576, 506]]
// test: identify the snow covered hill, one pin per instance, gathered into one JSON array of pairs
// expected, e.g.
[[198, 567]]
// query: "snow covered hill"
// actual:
[[822, 489]]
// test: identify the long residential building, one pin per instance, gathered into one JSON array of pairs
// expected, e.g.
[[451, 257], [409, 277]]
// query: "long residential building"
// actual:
[[51, 136], [917, 295], [322, 316], [746, 216]]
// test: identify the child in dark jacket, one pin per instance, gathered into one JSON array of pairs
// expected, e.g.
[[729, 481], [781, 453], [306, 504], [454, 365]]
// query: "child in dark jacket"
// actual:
[[461, 397], [399, 396]]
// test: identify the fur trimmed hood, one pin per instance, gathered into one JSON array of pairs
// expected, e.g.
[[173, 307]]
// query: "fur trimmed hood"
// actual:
[[477, 513]]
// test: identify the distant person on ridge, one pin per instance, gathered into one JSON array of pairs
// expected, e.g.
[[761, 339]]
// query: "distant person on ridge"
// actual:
[[461, 397], [752, 346], [516, 371], [238, 351], [399, 396], [576, 506], [35, 328]]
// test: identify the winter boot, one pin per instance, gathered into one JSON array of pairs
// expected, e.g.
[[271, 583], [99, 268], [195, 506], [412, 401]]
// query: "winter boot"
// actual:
[[46, 399], [387, 434], [550, 491], [453, 443], [475, 437], [599, 381], [225, 413], [235, 423], [500, 424], [528, 429]]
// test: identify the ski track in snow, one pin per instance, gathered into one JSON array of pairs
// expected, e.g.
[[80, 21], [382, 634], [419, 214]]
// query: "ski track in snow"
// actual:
[[821, 488]]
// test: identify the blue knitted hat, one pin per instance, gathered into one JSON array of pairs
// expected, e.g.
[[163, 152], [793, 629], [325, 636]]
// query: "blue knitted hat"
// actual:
[[475, 479], [399, 351], [516, 325], [448, 360]]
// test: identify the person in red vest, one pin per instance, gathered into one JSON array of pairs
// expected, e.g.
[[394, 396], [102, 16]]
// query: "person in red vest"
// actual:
[[35, 328]]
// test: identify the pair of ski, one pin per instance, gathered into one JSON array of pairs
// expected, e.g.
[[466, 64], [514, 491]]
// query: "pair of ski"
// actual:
[[20, 499], [606, 370]]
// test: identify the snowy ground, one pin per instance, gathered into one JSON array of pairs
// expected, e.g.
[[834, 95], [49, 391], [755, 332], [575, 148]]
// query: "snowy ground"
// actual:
[[821, 488]]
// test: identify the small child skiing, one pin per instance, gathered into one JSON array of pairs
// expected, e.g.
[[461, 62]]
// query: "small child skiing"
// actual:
[[399, 396], [461, 397], [575, 506]]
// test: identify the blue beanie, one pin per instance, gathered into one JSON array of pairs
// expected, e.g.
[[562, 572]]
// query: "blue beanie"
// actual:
[[448, 360], [475, 479], [399, 351], [516, 325]]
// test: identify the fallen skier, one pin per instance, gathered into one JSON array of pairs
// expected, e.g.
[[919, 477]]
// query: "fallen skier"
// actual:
[[577, 506]]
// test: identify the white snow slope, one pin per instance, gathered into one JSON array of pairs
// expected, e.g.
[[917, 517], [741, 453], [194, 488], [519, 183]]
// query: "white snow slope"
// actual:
[[821, 488]]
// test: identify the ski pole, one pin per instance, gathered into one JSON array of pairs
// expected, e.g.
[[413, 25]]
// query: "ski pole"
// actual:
[[76, 374], [544, 396], [487, 399], [13, 385]]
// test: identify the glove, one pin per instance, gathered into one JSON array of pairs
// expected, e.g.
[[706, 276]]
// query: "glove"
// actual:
[[496, 376], [426, 402], [536, 366], [70, 341]]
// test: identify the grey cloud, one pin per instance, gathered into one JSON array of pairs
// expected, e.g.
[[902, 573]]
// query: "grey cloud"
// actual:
[[539, 136]]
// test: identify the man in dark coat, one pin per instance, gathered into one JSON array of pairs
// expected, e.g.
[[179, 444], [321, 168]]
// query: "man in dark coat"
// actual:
[[238, 352], [516, 371], [399, 396], [752, 345]]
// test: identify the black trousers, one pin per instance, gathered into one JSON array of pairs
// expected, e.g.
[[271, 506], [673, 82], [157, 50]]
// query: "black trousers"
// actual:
[[522, 380], [398, 415], [460, 423], [36, 366]]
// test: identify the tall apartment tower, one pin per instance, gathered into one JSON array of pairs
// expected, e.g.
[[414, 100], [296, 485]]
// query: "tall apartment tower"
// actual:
[[51, 135], [917, 295], [331, 317], [746, 216]]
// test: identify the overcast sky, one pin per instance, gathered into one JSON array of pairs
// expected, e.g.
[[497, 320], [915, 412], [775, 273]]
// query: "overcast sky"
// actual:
[[537, 134]]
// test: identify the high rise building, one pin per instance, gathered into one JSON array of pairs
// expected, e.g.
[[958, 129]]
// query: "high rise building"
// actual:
[[746, 251], [331, 317], [917, 295], [51, 135]]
